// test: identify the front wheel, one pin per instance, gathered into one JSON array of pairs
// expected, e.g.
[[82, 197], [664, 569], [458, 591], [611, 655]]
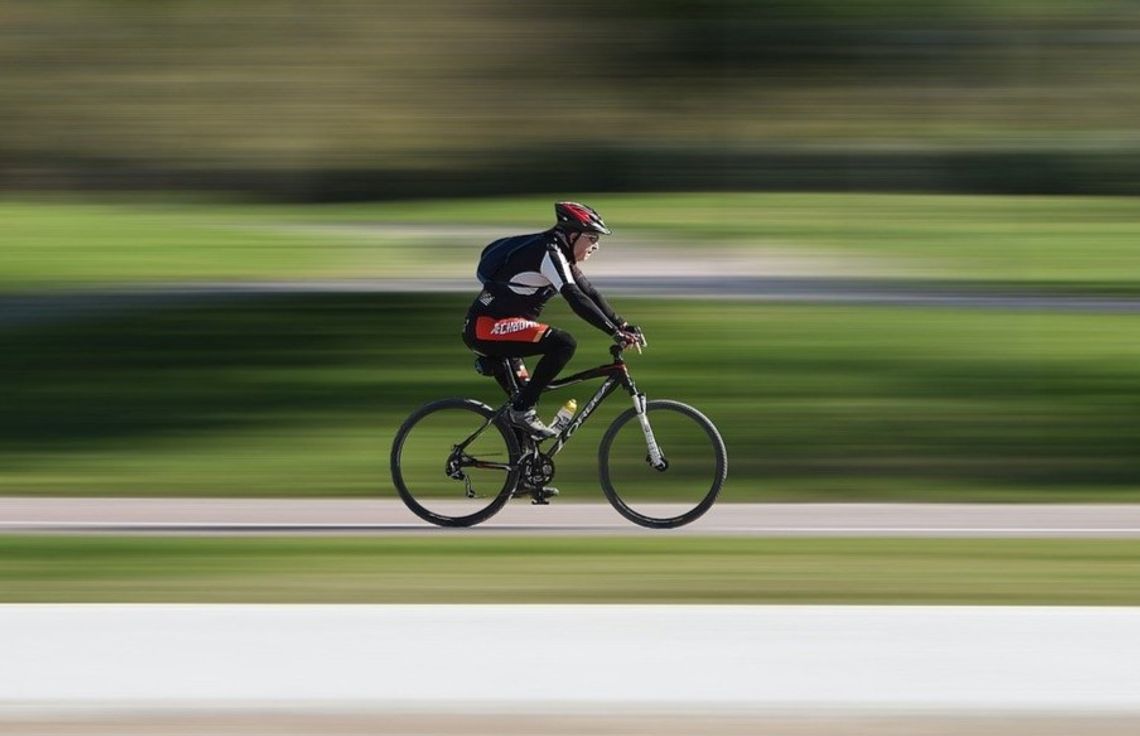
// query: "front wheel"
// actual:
[[447, 482], [676, 491]]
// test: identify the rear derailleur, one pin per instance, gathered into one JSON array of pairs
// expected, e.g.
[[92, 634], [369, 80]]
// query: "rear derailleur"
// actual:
[[454, 471]]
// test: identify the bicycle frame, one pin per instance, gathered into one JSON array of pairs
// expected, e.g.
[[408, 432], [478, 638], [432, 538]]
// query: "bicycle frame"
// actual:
[[616, 374]]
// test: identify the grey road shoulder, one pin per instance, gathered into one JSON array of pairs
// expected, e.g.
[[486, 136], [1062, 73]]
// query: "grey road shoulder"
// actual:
[[389, 516]]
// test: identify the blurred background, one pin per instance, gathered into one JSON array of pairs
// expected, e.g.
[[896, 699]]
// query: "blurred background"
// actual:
[[238, 239], [354, 99]]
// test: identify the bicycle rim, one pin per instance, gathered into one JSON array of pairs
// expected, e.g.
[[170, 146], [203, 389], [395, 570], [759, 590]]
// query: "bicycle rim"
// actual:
[[420, 455], [686, 489]]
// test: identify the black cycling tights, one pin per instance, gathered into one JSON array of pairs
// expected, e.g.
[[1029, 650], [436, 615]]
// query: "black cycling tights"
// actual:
[[556, 348]]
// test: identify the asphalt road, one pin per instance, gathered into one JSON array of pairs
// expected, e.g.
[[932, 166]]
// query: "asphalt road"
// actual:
[[388, 516]]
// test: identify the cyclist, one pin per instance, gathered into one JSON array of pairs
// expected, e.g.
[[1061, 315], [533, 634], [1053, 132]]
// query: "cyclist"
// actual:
[[526, 271]]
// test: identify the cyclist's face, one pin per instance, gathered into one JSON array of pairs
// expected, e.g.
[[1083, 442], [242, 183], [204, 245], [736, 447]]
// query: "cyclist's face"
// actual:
[[585, 246]]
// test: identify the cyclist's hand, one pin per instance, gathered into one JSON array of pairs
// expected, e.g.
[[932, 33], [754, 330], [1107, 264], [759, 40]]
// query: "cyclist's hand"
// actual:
[[627, 340], [634, 329]]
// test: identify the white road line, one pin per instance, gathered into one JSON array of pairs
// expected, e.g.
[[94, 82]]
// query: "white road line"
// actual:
[[493, 528], [934, 529], [388, 515]]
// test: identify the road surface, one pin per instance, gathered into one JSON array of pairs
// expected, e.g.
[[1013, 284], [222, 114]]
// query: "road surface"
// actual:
[[389, 516]]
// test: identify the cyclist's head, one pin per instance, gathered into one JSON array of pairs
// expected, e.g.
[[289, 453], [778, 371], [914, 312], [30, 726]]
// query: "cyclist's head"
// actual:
[[581, 246], [572, 217]]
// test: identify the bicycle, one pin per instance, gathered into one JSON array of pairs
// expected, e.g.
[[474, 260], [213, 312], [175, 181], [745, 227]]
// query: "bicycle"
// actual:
[[457, 462]]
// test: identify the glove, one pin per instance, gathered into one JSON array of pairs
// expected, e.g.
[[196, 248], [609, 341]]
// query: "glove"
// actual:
[[626, 339], [636, 332]]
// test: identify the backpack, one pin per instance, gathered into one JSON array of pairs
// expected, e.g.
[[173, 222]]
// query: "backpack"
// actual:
[[496, 255]]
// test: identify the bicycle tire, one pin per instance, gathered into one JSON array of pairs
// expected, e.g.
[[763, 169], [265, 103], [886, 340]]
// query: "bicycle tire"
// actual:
[[716, 480], [449, 506]]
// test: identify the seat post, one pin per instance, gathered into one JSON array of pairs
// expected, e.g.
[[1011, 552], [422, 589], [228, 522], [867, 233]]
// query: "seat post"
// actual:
[[512, 379]]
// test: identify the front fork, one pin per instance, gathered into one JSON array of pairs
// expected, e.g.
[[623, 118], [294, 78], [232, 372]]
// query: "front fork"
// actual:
[[656, 457]]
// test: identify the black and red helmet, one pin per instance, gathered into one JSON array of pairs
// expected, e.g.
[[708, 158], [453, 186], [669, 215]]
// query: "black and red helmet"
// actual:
[[578, 218]]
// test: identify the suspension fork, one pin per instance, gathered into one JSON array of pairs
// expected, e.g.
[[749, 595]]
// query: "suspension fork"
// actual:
[[656, 457]]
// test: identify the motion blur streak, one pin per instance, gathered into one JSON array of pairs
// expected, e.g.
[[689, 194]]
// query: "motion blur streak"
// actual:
[[358, 99], [957, 658]]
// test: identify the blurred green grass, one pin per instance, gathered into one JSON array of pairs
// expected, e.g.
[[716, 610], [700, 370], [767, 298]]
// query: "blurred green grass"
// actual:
[[301, 395], [1072, 243], [568, 570]]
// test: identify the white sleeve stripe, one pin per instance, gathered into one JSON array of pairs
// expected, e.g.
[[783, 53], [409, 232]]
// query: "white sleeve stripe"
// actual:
[[555, 268]]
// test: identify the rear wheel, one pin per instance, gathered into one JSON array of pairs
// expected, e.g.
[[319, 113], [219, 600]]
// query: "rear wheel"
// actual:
[[447, 486], [690, 479]]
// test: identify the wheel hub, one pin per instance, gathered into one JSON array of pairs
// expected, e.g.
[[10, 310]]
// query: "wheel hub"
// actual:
[[452, 468]]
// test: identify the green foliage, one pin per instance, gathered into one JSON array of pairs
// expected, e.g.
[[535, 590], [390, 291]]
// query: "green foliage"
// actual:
[[272, 96], [294, 395]]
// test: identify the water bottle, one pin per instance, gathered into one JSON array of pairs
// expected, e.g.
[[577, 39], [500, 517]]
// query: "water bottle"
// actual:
[[564, 415]]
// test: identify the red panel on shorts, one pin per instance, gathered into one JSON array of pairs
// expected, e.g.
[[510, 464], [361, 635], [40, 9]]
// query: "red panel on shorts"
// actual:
[[509, 329]]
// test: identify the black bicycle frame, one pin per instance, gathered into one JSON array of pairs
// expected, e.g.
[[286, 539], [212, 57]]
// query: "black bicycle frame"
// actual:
[[616, 374]]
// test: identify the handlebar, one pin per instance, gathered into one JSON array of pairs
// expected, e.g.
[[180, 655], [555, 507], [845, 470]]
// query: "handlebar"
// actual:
[[616, 350]]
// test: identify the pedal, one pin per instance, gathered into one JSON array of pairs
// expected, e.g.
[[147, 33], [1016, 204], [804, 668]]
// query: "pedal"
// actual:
[[540, 496]]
